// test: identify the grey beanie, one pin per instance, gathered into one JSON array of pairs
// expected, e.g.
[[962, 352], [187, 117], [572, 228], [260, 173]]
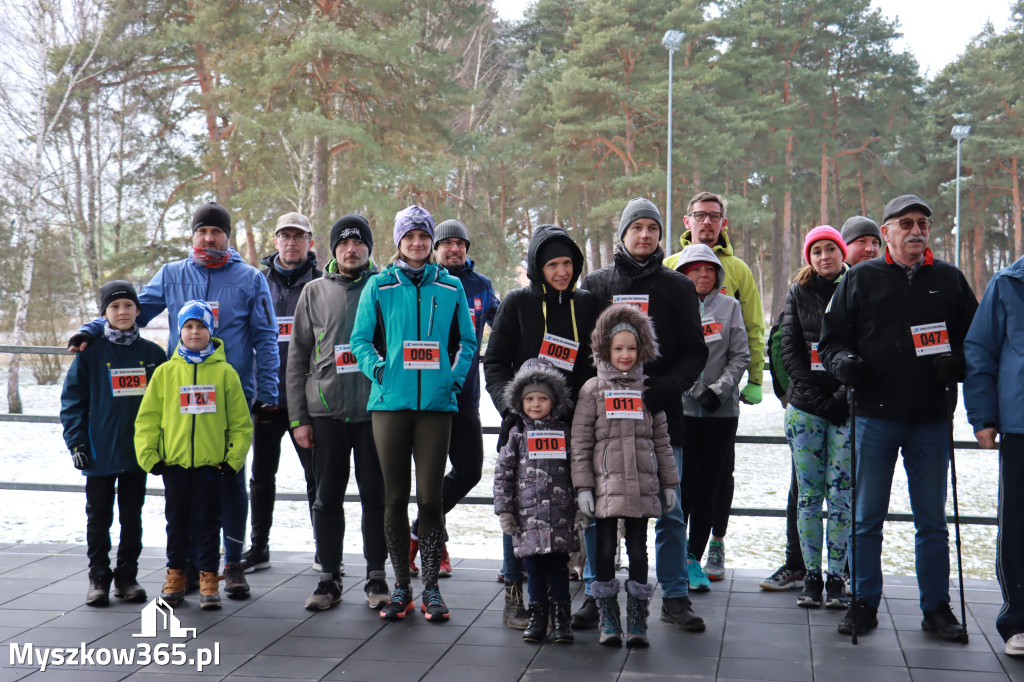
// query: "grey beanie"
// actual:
[[858, 226], [451, 229], [622, 327], [639, 208]]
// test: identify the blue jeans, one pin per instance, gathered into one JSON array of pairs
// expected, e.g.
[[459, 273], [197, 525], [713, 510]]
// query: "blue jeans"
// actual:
[[511, 565], [1010, 541], [925, 449]]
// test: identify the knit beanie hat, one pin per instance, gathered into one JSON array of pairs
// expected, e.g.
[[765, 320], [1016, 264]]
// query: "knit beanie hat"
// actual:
[[413, 218], [639, 208], [212, 214], [553, 248], [858, 226], [451, 229], [195, 310], [116, 290], [622, 327], [349, 227], [823, 232]]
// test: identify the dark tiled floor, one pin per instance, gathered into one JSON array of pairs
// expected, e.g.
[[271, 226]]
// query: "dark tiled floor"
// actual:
[[751, 634]]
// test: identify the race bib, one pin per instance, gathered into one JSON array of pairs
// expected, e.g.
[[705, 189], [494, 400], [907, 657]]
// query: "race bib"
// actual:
[[472, 317], [198, 399], [816, 365], [215, 307], [127, 382], [930, 339], [641, 301], [545, 444], [623, 405], [344, 361], [421, 354], [284, 329], [712, 329], [559, 352]]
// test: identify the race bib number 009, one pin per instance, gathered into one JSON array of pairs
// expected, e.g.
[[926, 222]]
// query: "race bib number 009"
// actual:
[[198, 399], [344, 361], [128, 382], [421, 355], [559, 352], [623, 405], [545, 444], [930, 339]]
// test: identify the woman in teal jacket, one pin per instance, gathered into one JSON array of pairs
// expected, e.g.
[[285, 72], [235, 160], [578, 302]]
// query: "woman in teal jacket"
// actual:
[[414, 339]]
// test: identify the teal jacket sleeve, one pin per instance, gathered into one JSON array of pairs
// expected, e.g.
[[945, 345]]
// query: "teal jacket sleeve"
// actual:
[[363, 331]]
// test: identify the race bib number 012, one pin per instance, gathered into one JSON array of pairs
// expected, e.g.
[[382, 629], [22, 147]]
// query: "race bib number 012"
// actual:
[[421, 355], [344, 361], [930, 339], [198, 399], [559, 352], [545, 444], [623, 405], [128, 382]]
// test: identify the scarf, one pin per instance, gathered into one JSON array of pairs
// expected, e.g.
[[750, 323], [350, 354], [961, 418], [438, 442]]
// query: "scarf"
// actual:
[[414, 274], [121, 338], [210, 258], [195, 356]]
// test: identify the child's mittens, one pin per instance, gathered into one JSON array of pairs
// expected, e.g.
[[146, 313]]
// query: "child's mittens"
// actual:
[[80, 457], [508, 524], [585, 502], [670, 500]]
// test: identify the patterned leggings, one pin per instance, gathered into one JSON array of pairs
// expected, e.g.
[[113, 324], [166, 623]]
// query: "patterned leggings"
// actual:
[[821, 454]]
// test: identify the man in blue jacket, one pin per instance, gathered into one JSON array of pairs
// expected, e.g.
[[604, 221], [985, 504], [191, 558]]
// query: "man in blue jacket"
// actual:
[[466, 445], [243, 319], [993, 394]]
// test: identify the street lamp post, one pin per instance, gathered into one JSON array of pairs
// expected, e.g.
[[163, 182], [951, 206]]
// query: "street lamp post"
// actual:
[[959, 132], [672, 40]]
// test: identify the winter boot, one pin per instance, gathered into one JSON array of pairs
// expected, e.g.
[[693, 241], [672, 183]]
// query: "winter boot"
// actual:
[[235, 583], [561, 625], [606, 595], [126, 586], [174, 586], [587, 616], [638, 596], [99, 586], [209, 590], [537, 629], [514, 615]]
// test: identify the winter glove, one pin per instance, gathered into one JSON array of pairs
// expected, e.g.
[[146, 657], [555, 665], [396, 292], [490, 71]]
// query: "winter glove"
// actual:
[[227, 469], [836, 409], [80, 457], [507, 422], [158, 468], [77, 339], [582, 521], [508, 524], [263, 411], [704, 396], [378, 374], [660, 395], [949, 368], [670, 500], [751, 394], [850, 370], [585, 502]]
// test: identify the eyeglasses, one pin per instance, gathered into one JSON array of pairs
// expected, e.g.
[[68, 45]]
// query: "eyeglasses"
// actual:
[[294, 239], [700, 216], [908, 223]]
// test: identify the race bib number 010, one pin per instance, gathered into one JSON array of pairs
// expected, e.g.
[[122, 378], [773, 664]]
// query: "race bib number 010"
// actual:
[[930, 339], [559, 352], [127, 382], [816, 365], [641, 301], [545, 444], [623, 405], [344, 361], [421, 354], [198, 399], [284, 329]]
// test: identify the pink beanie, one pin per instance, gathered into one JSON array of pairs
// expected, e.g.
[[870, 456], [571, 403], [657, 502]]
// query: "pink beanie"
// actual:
[[823, 232]]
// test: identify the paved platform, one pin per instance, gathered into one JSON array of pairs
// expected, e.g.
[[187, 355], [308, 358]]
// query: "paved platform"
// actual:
[[751, 634]]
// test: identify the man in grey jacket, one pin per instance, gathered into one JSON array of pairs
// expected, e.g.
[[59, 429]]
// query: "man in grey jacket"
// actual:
[[327, 396]]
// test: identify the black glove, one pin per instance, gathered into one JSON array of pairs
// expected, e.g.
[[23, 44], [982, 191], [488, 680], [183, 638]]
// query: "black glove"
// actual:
[[850, 370], [704, 396], [836, 409], [158, 468], [263, 411], [949, 368], [378, 374], [80, 457], [227, 470], [660, 395], [507, 422], [78, 337]]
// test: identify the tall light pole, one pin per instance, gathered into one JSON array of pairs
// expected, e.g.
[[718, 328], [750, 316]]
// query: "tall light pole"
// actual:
[[959, 132], [672, 40]]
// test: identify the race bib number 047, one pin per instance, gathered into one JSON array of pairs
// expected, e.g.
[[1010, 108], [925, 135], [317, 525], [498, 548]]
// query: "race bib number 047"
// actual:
[[198, 399], [930, 339]]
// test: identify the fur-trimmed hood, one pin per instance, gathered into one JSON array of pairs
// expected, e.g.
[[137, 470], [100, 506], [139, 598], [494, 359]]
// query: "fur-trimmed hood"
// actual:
[[533, 371], [646, 342]]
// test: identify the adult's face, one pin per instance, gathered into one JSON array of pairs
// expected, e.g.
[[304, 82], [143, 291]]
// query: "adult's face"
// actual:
[[906, 237], [293, 246], [862, 248], [704, 277], [415, 247], [352, 255], [641, 238], [558, 273], [826, 258], [210, 237], [704, 229], [451, 252]]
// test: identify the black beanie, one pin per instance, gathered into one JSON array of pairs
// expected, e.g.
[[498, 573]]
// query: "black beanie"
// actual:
[[351, 226], [212, 214], [554, 248], [116, 290]]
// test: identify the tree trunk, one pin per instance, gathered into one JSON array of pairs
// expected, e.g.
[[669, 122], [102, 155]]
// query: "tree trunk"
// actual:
[[1018, 228], [318, 197], [823, 213]]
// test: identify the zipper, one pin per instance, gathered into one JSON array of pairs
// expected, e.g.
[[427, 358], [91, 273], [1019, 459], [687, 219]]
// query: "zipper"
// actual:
[[430, 324], [192, 443], [418, 372]]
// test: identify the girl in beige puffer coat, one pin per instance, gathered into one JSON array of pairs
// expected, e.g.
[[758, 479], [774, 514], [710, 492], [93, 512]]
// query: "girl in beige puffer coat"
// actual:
[[621, 460]]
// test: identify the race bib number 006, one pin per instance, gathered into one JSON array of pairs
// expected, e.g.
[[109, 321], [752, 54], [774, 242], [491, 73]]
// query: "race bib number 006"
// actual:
[[344, 361], [128, 382], [545, 444], [421, 355], [198, 399], [623, 405]]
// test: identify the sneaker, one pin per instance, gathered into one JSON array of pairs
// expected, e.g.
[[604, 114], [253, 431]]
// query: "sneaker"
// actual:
[[835, 592], [715, 565], [446, 564], [414, 548], [433, 606], [399, 604], [98, 593], [679, 612], [1015, 645], [326, 594], [255, 560], [866, 618], [587, 616], [376, 589], [784, 579], [234, 581], [942, 622], [127, 587], [810, 596], [698, 578]]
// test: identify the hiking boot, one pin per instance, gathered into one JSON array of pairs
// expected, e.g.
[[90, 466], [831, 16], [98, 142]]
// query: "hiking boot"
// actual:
[[98, 593], [638, 596], [537, 629], [1015, 645], [587, 616], [810, 596], [715, 565], [698, 578], [865, 617], [835, 592], [514, 615], [191, 578], [432, 605], [606, 594], [127, 587], [399, 604], [414, 548], [174, 586], [784, 579], [446, 564], [561, 622], [209, 590], [255, 560], [234, 581], [679, 612], [376, 589], [326, 594], [942, 622]]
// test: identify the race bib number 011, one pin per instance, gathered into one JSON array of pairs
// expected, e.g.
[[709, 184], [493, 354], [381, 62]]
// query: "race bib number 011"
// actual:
[[623, 405], [930, 339], [559, 352], [816, 365], [344, 361], [641, 301], [545, 444], [421, 354], [128, 382], [284, 329], [198, 399]]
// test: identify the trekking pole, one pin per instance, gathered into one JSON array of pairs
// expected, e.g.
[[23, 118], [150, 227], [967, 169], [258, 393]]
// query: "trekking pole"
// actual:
[[853, 513], [956, 510]]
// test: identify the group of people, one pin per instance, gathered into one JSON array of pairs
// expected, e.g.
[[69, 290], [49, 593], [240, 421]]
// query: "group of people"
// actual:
[[619, 393]]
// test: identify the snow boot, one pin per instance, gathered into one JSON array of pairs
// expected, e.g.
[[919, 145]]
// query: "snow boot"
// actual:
[[606, 594], [638, 596]]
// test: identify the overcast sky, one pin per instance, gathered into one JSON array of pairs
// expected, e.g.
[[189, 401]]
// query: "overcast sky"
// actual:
[[935, 31]]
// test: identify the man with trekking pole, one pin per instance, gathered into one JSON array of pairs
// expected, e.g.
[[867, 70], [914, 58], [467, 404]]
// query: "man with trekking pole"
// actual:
[[894, 331]]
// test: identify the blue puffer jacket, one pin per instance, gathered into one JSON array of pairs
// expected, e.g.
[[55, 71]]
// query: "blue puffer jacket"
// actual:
[[994, 350], [245, 316], [394, 312], [483, 303]]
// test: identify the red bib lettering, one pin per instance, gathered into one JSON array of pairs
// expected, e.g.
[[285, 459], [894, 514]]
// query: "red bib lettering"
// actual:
[[930, 339], [198, 399], [559, 352], [545, 444]]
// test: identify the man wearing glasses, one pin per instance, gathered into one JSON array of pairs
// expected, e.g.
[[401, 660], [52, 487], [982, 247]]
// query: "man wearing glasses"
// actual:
[[895, 331]]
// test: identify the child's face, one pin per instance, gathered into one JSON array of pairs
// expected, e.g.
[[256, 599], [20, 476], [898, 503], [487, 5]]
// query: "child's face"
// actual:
[[623, 352], [536, 405], [121, 314], [195, 335]]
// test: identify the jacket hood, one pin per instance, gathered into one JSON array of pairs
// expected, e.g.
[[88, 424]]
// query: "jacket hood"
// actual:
[[721, 246], [541, 236], [702, 252], [646, 342], [537, 371]]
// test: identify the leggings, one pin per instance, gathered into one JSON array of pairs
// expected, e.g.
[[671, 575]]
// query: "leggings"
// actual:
[[636, 548], [707, 442], [403, 437]]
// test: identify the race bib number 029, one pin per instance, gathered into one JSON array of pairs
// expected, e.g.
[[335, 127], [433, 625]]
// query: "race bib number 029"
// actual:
[[284, 329], [545, 444], [198, 399], [930, 339], [559, 352], [623, 405], [344, 361], [127, 382], [421, 355]]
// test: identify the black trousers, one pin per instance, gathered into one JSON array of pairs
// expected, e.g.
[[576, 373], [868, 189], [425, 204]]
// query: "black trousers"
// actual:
[[466, 455], [723, 496], [99, 514], [636, 548], [192, 507], [707, 446], [266, 457], [794, 557]]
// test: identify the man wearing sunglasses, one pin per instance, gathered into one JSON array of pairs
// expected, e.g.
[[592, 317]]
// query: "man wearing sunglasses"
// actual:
[[895, 331]]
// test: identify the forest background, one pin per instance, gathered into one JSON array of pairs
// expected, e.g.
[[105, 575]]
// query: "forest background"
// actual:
[[118, 117]]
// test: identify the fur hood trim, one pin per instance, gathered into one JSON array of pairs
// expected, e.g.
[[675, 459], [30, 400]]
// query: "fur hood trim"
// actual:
[[646, 342], [534, 371]]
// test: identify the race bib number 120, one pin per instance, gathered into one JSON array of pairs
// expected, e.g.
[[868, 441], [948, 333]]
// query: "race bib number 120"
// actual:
[[198, 399]]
